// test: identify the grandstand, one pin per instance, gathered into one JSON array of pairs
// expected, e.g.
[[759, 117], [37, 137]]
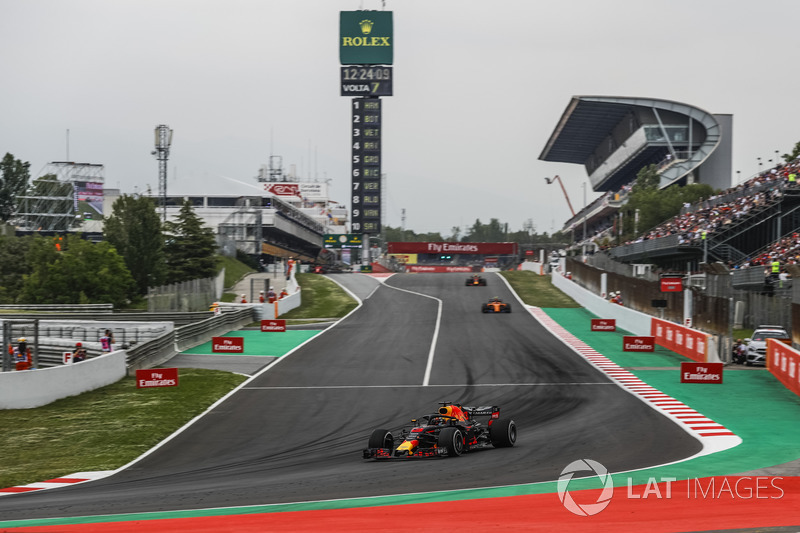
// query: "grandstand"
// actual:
[[614, 137], [736, 228]]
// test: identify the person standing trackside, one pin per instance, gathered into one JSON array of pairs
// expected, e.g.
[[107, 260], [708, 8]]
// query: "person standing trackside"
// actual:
[[106, 341], [22, 355], [78, 353]]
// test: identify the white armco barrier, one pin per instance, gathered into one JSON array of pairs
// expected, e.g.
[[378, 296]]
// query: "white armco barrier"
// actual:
[[33, 388], [627, 319]]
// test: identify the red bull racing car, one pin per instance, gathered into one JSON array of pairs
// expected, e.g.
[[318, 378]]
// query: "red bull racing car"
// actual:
[[476, 280], [496, 305], [449, 432]]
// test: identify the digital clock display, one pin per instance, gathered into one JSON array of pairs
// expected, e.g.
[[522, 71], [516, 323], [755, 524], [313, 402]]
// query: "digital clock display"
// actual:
[[366, 81]]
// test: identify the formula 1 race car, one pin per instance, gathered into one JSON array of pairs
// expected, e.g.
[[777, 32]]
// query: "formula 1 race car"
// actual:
[[476, 280], [496, 305], [449, 432]]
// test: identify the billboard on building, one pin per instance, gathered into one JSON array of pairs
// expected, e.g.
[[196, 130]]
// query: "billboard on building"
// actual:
[[88, 199], [311, 191]]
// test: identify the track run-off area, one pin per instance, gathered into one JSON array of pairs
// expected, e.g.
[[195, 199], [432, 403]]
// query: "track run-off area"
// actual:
[[283, 451]]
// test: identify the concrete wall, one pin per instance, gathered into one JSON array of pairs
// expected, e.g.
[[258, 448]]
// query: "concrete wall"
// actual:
[[286, 304], [533, 266], [627, 319], [34, 388]]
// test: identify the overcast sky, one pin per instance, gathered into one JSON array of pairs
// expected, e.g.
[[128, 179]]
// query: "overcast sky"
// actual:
[[479, 88]]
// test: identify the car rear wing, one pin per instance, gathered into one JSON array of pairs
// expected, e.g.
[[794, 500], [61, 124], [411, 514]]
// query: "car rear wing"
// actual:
[[488, 410]]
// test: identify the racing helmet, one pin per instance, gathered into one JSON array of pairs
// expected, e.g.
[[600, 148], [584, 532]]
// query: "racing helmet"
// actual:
[[22, 339], [78, 344]]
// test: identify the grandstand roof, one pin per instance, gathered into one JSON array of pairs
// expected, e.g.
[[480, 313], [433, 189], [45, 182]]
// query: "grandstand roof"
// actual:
[[584, 124], [589, 121]]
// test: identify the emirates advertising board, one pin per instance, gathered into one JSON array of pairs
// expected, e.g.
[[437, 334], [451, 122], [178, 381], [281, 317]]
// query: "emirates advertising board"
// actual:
[[682, 340], [477, 248], [637, 343], [277, 325], [692, 372], [227, 344], [156, 377], [671, 284], [604, 324]]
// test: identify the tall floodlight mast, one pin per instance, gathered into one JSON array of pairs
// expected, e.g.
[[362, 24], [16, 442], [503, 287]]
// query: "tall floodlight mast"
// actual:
[[163, 142]]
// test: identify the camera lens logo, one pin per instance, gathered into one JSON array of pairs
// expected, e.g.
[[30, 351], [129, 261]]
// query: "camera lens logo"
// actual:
[[586, 509]]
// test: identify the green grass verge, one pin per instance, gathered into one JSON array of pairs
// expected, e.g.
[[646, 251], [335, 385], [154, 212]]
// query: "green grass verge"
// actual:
[[234, 270], [537, 290], [102, 429], [321, 298]]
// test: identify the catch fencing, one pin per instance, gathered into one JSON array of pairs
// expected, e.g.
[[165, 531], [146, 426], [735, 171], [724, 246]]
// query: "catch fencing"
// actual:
[[187, 296]]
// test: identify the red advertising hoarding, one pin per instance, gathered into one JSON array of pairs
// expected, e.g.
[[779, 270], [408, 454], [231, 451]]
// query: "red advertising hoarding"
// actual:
[[477, 248], [692, 372], [604, 324], [156, 377], [635, 343], [783, 362], [227, 344], [273, 325], [437, 268], [682, 340], [674, 284]]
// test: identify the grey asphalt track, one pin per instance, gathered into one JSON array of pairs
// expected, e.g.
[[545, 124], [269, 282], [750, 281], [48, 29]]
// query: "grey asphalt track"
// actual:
[[295, 432]]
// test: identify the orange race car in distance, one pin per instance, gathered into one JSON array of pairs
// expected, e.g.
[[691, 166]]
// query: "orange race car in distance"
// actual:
[[496, 305]]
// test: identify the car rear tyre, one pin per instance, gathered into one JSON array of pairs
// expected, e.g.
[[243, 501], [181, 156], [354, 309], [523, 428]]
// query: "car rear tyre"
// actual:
[[503, 433], [452, 440], [381, 438]]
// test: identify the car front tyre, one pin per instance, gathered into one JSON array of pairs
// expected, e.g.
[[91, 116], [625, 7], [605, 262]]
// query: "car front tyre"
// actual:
[[452, 440], [381, 438]]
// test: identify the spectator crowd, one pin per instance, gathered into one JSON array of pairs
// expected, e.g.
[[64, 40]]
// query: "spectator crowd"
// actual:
[[720, 211]]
